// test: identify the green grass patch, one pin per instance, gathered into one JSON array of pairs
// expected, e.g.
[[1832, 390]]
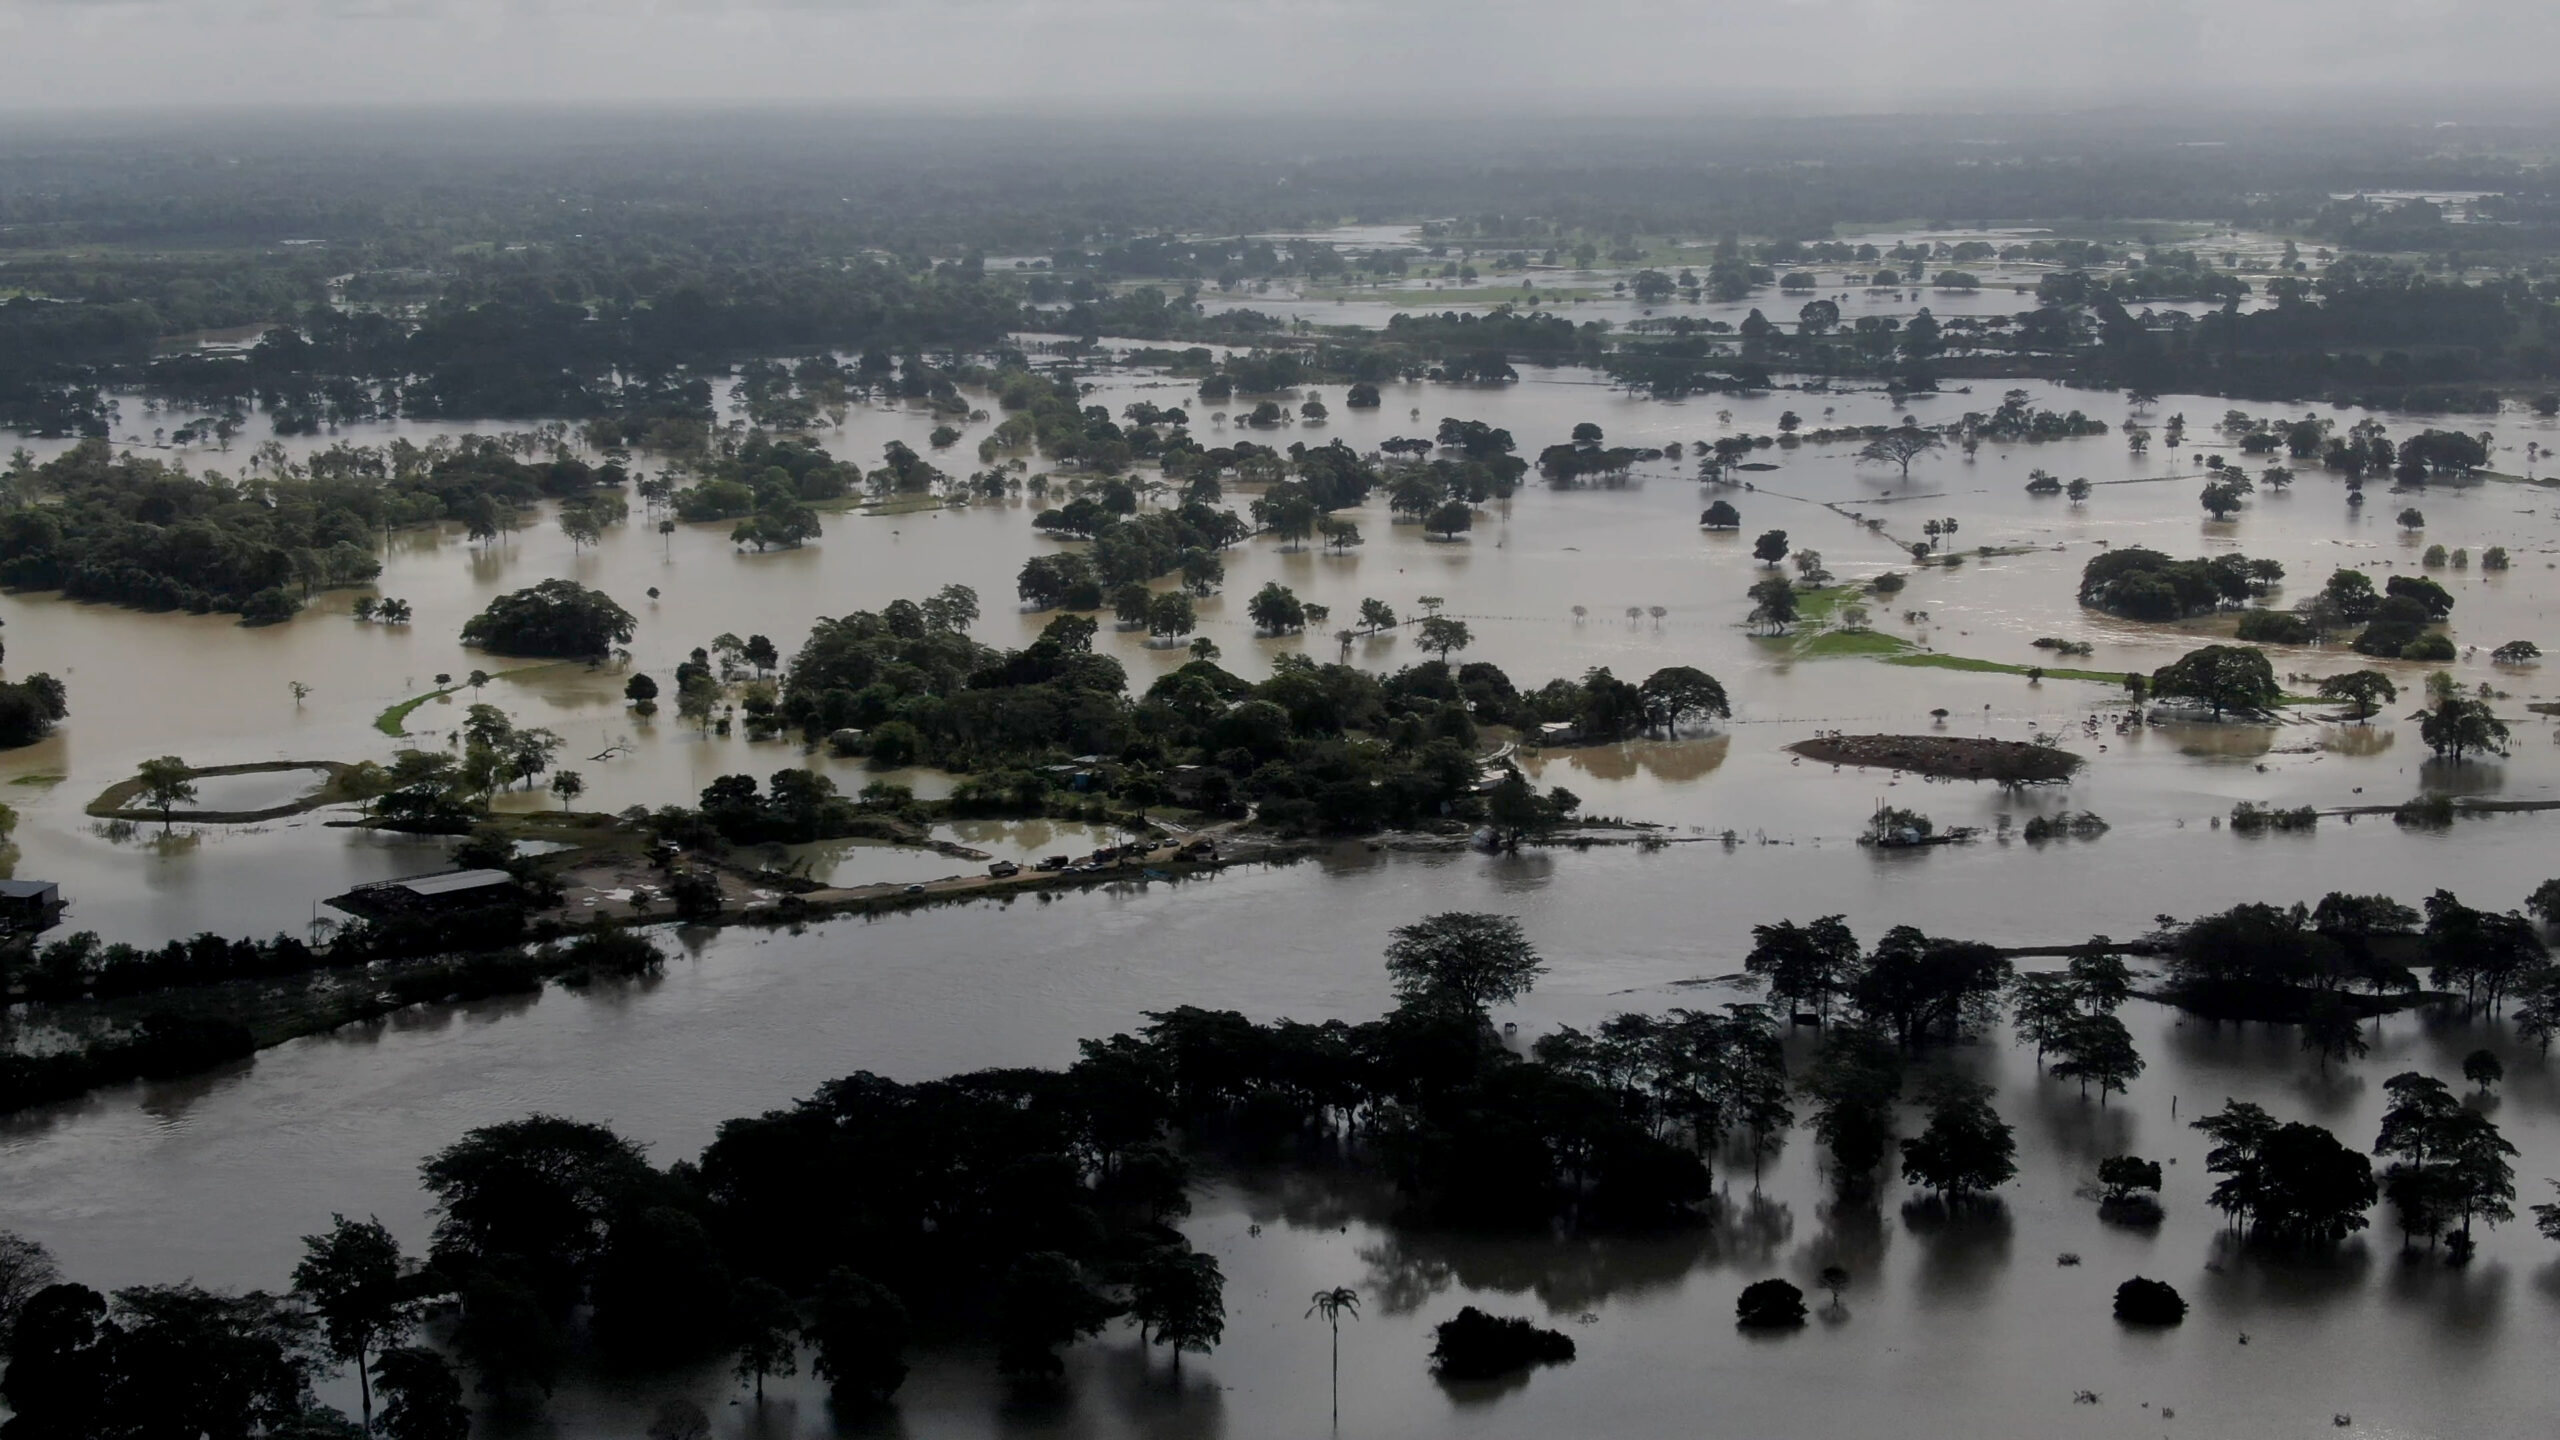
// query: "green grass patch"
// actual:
[[1833, 644], [911, 504], [394, 721], [1818, 606], [1935, 661], [44, 781]]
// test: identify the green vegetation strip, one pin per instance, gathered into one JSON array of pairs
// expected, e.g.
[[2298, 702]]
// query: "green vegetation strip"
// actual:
[[1816, 607], [394, 721], [1934, 661], [1832, 644]]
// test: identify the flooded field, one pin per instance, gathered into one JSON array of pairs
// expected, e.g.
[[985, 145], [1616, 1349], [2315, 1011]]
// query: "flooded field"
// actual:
[[1972, 1328], [1545, 581], [1600, 293]]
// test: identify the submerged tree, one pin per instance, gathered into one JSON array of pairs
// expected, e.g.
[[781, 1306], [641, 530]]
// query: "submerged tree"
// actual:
[[1045, 1302], [363, 1292], [1966, 1148], [2225, 677], [166, 785], [2289, 1182], [1333, 1304], [1180, 1294], [2331, 1030], [1807, 966], [1677, 693], [1899, 447], [1774, 603], [1466, 958], [765, 1323], [2364, 691], [859, 1330], [2455, 726]]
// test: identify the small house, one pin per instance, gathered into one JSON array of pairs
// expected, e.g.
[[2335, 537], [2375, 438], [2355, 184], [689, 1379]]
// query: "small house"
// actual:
[[29, 904], [449, 892]]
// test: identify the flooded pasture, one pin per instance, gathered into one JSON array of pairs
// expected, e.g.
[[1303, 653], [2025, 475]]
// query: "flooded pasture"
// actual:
[[1949, 1328], [1546, 581]]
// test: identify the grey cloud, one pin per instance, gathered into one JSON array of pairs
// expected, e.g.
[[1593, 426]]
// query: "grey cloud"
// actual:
[[1619, 54]]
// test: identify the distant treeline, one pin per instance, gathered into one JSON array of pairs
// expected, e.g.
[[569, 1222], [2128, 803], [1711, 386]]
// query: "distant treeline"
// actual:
[[489, 274]]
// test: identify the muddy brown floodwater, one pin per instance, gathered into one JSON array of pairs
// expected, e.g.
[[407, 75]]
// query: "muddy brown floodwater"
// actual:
[[214, 693], [1972, 1329]]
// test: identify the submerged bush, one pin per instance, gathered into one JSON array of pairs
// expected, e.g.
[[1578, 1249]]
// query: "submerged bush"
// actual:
[[1477, 1346], [2132, 1190], [2428, 812], [2274, 627], [612, 952], [2250, 818], [2068, 825], [2149, 1302], [1769, 1305]]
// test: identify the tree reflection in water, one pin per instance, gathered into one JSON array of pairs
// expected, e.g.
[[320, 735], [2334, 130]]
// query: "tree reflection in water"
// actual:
[[1965, 1246], [1574, 1274]]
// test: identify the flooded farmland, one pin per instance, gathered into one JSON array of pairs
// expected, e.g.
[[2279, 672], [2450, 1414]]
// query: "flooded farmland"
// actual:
[[1972, 1325]]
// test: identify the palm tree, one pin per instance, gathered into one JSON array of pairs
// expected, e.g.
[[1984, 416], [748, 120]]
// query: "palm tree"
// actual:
[[1330, 1304]]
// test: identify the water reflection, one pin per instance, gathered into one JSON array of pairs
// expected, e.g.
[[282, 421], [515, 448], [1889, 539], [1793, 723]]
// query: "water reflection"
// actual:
[[2080, 1128], [1962, 1249], [2470, 776], [1669, 761], [151, 837], [1410, 1268], [2358, 742], [2220, 742]]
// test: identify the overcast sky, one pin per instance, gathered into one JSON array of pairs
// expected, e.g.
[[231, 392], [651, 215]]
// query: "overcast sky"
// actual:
[[1616, 55]]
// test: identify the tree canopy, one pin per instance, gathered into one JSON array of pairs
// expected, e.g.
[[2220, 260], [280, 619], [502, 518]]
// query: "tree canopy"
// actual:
[[2224, 677], [555, 617], [1467, 958]]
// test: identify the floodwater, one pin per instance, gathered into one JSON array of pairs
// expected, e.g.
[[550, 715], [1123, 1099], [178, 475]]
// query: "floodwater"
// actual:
[[876, 862], [1583, 296], [207, 689], [1966, 1330], [260, 790]]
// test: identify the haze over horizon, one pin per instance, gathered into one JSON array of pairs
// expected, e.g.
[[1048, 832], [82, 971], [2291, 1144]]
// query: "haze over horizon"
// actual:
[[1831, 56]]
